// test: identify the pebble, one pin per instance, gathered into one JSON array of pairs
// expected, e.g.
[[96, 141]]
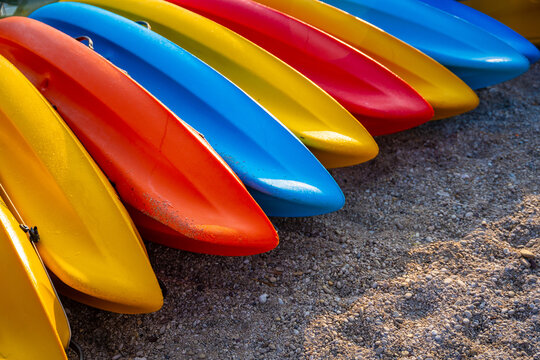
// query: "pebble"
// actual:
[[525, 263], [263, 298], [280, 301], [526, 254], [116, 357], [272, 279], [408, 295]]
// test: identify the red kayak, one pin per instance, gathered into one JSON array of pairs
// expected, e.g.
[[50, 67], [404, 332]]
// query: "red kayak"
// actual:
[[179, 191], [381, 101]]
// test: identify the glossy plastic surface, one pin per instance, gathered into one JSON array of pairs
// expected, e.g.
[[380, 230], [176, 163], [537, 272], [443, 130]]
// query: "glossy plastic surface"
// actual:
[[34, 325], [446, 93], [494, 27], [159, 165], [476, 56], [381, 101], [334, 136], [522, 16], [279, 171], [87, 238]]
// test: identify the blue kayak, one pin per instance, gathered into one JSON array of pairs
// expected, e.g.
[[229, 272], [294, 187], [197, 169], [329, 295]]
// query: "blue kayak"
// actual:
[[476, 56], [278, 170], [494, 27]]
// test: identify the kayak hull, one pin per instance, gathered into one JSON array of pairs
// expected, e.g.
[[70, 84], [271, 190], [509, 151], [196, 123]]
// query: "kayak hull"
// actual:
[[520, 15], [494, 27], [41, 314], [87, 237], [135, 138], [474, 55]]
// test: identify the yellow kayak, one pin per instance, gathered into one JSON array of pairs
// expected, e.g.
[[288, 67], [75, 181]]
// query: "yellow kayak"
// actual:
[[522, 16], [331, 133], [34, 325], [445, 92], [87, 240]]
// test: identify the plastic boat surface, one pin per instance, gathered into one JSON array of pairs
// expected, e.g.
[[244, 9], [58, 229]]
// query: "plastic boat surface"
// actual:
[[34, 325], [521, 15], [446, 93], [494, 27], [87, 239], [333, 135], [278, 170], [476, 56], [381, 101], [137, 142]]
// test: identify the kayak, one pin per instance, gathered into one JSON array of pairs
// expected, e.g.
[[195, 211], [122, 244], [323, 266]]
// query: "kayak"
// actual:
[[476, 56], [445, 92], [86, 236], [379, 99], [277, 169], [495, 28], [29, 304], [521, 15], [135, 140], [332, 134]]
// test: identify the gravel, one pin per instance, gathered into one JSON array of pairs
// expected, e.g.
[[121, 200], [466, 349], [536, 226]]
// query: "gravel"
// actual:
[[434, 256]]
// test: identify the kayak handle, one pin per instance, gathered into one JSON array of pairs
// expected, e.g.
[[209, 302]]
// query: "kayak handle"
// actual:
[[144, 23], [90, 42]]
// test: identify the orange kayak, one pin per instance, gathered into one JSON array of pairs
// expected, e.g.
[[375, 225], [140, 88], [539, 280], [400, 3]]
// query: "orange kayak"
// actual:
[[179, 191]]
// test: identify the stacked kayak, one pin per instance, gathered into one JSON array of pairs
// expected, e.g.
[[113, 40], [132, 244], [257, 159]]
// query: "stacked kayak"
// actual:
[[135, 141], [87, 239], [29, 304], [472, 53]]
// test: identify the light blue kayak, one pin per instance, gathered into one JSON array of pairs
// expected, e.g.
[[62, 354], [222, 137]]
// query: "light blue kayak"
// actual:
[[278, 170], [494, 27], [477, 57]]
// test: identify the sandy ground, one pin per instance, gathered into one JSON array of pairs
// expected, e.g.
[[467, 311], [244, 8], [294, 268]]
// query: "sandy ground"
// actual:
[[430, 258]]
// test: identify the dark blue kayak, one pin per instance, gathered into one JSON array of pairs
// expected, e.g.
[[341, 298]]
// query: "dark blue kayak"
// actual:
[[477, 57], [278, 170], [494, 27]]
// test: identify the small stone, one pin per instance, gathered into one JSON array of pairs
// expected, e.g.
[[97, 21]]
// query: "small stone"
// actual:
[[525, 263], [280, 301], [511, 294], [466, 321], [469, 214], [526, 254], [116, 357], [467, 314], [202, 356], [447, 281], [408, 295], [272, 279], [263, 298]]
